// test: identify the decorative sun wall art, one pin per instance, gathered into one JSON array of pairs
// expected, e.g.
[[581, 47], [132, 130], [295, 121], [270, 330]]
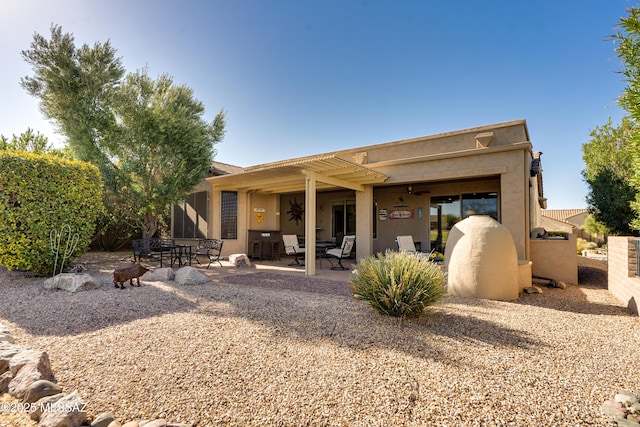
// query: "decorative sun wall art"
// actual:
[[296, 211]]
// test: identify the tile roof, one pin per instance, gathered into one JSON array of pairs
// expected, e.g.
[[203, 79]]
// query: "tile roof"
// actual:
[[562, 214]]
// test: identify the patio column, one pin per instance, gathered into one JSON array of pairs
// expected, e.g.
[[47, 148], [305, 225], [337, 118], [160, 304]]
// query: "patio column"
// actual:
[[310, 224], [364, 219]]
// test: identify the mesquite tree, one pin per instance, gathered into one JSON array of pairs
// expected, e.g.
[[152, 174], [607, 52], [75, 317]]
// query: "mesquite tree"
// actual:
[[608, 173], [627, 41], [148, 137]]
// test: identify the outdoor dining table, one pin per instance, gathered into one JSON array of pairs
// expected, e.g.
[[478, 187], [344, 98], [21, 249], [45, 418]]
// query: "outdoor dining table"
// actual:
[[180, 251], [321, 249], [176, 253]]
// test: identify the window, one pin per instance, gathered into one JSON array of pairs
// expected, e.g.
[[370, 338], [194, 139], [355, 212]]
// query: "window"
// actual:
[[229, 215], [343, 221], [444, 214], [446, 211], [190, 217], [480, 204], [375, 220]]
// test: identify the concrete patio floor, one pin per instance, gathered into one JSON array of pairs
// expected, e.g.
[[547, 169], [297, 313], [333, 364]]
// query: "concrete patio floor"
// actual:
[[323, 268]]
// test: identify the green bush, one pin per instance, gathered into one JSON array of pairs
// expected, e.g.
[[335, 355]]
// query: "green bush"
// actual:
[[41, 194], [582, 244], [398, 283]]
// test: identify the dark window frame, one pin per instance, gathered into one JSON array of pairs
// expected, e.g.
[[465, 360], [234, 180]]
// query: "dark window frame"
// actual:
[[185, 227], [229, 215]]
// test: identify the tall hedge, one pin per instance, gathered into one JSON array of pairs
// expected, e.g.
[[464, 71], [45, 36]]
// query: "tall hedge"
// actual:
[[40, 194]]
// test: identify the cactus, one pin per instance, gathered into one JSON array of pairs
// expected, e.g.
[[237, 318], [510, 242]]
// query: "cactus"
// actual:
[[60, 247]]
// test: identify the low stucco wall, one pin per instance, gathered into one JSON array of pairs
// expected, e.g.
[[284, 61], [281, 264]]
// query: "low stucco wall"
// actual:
[[623, 283], [555, 259]]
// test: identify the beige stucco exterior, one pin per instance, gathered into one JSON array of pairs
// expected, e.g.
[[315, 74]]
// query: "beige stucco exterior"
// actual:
[[373, 179], [481, 260], [555, 259]]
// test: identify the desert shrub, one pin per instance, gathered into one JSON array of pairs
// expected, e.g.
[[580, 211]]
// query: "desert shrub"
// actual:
[[582, 244], [398, 283], [41, 194]]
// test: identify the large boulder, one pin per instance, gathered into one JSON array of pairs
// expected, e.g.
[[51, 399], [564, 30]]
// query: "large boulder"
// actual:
[[7, 351], [5, 379], [164, 274], [71, 282], [39, 389], [239, 260], [22, 357], [481, 260], [190, 276], [68, 411], [47, 402], [37, 368]]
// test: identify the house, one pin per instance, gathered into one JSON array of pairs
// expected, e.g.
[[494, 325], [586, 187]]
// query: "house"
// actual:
[[569, 221], [420, 187]]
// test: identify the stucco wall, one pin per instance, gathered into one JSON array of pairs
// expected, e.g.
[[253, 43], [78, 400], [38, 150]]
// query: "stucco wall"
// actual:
[[268, 206], [502, 153], [388, 198], [555, 259], [441, 143], [623, 283]]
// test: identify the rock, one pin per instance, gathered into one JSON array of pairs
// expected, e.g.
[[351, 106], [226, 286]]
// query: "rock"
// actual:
[[45, 402], [71, 282], [239, 260], [7, 351], [634, 418], [623, 422], [38, 368], [68, 411], [190, 276], [635, 408], [614, 409], [626, 397], [155, 423], [533, 290], [561, 285], [116, 423], [5, 379], [39, 389], [103, 420], [164, 274], [24, 356], [131, 424]]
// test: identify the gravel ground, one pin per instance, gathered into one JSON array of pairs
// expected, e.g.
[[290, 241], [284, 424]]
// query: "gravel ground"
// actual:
[[267, 349]]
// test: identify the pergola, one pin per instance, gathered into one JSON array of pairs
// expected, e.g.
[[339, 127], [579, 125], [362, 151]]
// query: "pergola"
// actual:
[[308, 174]]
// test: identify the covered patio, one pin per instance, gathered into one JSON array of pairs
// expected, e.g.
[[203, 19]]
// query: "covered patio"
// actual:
[[310, 175]]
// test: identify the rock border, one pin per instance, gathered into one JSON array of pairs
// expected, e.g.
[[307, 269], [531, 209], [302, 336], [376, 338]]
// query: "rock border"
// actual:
[[625, 406], [26, 375]]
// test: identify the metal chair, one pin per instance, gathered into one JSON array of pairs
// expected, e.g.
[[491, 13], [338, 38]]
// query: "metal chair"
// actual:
[[344, 251], [406, 243], [211, 248], [292, 248]]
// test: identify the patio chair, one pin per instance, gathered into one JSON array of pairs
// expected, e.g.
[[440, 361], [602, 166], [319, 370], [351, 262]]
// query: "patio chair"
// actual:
[[211, 248], [292, 248], [344, 251], [406, 244]]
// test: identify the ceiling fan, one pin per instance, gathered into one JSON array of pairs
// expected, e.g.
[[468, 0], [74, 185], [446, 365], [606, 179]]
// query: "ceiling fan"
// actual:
[[413, 191]]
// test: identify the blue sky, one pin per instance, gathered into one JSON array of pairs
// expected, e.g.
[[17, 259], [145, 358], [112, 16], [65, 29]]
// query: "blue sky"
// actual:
[[300, 77]]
